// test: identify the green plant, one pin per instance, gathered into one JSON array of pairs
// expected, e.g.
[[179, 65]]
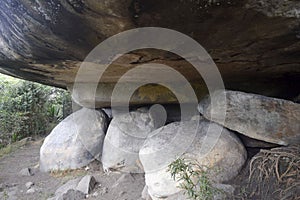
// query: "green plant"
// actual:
[[193, 179], [28, 108], [5, 195]]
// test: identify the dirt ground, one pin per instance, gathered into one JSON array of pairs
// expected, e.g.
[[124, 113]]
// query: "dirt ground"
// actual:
[[115, 186]]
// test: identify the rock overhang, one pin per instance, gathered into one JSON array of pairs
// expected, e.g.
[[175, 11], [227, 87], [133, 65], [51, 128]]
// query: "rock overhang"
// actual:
[[255, 46]]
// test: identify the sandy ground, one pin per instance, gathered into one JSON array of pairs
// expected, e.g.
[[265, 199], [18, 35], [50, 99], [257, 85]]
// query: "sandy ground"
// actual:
[[113, 186]]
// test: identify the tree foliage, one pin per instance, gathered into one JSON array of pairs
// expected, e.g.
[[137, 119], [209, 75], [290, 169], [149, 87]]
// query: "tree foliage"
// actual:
[[28, 108]]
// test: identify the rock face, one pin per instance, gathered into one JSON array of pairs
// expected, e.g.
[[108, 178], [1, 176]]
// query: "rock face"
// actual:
[[86, 185], [224, 159], [263, 118], [74, 142], [125, 136], [257, 49]]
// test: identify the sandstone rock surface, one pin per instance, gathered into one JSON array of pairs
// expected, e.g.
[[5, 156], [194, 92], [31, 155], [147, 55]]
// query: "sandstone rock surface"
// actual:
[[269, 119]]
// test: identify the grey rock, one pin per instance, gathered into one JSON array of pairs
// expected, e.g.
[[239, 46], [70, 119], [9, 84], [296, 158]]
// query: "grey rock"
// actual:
[[224, 158], [26, 172], [72, 195], [69, 190], [125, 136], [259, 117], [70, 185], [173, 112], [31, 191], [86, 184], [74, 142], [29, 185]]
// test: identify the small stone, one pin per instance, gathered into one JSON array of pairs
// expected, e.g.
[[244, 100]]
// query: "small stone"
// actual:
[[30, 191], [26, 172], [29, 185], [86, 184], [70, 185], [73, 195]]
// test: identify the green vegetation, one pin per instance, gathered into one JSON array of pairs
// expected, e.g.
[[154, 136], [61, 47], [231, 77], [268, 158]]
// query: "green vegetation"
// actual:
[[193, 179], [29, 109]]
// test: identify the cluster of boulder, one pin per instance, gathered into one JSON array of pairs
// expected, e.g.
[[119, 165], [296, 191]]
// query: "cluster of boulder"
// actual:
[[141, 141]]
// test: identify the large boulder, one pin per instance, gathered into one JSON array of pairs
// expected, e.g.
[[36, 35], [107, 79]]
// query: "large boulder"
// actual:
[[74, 142], [224, 158], [259, 117], [126, 135]]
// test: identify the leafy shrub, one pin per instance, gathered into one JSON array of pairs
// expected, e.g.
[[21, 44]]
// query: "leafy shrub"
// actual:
[[193, 179], [28, 108]]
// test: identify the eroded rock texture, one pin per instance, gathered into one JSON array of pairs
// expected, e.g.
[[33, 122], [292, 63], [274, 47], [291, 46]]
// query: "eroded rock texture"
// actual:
[[259, 117], [255, 44], [74, 142], [125, 136]]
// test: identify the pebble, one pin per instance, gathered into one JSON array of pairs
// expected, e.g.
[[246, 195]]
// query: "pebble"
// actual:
[[26, 172], [29, 185], [30, 191]]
